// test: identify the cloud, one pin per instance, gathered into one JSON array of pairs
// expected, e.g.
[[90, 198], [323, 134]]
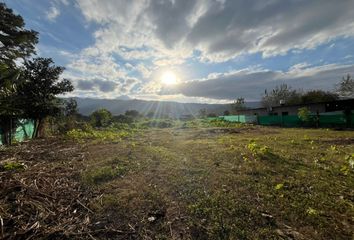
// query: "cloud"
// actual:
[[219, 30], [53, 13], [101, 85], [250, 84]]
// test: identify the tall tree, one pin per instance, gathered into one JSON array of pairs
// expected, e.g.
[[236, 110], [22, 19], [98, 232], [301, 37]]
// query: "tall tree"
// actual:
[[16, 42], [280, 93], [39, 92], [318, 96], [238, 104], [346, 87]]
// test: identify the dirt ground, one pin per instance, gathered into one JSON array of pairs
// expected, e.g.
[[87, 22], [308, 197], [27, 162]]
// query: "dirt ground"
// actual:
[[182, 183]]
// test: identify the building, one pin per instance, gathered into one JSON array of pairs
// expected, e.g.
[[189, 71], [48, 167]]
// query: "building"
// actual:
[[316, 108]]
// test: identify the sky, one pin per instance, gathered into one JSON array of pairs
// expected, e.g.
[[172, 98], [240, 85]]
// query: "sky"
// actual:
[[216, 50]]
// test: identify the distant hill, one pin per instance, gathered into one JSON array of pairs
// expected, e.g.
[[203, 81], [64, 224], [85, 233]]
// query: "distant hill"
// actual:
[[173, 109]]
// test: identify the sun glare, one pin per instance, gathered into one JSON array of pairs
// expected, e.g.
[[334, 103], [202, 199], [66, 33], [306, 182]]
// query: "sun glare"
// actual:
[[169, 78]]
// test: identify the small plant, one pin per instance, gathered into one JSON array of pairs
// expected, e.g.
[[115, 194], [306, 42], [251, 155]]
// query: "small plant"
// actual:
[[304, 114], [349, 164], [12, 166], [258, 151], [279, 186]]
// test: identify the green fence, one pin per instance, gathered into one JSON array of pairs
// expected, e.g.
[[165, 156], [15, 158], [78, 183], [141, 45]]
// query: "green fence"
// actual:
[[240, 118], [24, 130], [323, 120]]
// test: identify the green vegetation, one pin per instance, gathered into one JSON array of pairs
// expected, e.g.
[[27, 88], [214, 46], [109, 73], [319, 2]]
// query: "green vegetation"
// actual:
[[252, 183], [12, 166]]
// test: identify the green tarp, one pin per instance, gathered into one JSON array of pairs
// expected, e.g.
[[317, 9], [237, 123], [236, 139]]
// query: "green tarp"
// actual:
[[24, 130]]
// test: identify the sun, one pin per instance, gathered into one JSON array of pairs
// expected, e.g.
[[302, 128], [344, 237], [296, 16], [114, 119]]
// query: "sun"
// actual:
[[169, 78]]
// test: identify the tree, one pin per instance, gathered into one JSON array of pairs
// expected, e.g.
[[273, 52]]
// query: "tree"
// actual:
[[238, 104], [282, 92], [70, 108], [16, 42], [101, 118], [318, 96], [132, 113], [202, 113], [226, 113], [346, 87], [38, 94]]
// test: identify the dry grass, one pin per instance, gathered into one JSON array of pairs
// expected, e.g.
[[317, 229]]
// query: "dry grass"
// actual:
[[236, 182]]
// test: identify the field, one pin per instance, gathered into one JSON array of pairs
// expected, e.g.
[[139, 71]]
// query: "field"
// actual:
[[188, 181]]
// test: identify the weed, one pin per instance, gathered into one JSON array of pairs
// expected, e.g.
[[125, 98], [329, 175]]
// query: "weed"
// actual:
[[13, 166], [103, 174]]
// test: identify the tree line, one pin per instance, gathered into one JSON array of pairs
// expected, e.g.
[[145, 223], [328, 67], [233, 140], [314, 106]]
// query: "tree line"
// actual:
[[29, 87]]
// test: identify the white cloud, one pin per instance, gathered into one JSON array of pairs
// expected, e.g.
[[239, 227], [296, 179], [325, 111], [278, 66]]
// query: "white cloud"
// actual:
[[53, 13], [165, 33], [220, 30], [250, 84]]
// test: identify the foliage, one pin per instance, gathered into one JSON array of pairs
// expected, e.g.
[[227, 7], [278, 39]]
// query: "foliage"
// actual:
[[101, 118], [158, 123], [318, 96], [258, 151], [70, 108], [123, 119], [103, 174], [111, 135], [282, 92], [11, 166], [16, 43], [304, 114], [132, 113], [38, 94], [346, 87], [238, 104]]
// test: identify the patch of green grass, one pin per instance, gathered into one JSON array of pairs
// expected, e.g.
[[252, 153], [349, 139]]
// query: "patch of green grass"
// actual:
[[103, 174], [13, 166]]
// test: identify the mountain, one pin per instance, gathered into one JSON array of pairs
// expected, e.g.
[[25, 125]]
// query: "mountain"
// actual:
[[159, 108]]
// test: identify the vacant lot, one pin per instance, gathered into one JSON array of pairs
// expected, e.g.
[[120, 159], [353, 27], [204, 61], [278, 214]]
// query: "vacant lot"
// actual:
[[191, 182]]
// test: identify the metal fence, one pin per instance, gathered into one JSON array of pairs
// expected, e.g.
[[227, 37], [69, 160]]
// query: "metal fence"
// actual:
[[321, 120]]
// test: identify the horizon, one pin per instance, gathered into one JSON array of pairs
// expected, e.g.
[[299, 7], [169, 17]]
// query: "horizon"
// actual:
[[193, 51]]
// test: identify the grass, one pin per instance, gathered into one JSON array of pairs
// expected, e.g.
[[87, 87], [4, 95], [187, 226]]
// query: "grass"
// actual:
[[203, 181], [216, 180]]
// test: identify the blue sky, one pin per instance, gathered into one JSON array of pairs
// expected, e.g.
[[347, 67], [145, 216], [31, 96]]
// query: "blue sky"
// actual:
[[218, 50]]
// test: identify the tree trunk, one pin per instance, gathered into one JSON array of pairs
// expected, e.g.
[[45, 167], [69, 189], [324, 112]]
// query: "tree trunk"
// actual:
[[6, 125], [39, 128]]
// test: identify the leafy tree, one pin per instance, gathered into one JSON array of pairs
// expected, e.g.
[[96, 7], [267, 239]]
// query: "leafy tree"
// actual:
[[318, 96], [39, 92], [70, 108], [16, 42], [346, 87], [282, 92], [123, 119], [132, 113], [239, 104], [101, 118]]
